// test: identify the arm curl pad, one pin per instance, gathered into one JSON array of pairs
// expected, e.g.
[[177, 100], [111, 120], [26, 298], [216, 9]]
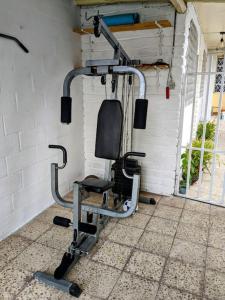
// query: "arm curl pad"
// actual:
[[66, 107], [140, 115]]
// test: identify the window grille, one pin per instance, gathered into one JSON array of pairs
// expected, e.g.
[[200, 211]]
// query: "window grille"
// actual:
[[218, 81]]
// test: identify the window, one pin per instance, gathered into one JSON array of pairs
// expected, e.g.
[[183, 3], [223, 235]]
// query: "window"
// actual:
[[218, 82]]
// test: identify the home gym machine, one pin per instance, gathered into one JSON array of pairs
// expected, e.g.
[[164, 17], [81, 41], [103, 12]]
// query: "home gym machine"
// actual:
[[108, 146]]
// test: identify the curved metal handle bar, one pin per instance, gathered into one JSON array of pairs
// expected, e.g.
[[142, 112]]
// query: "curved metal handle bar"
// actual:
[[115, 213], [64, 154], [9, 37], [115, 70], [55, 188], [71, 75], [140, 75]]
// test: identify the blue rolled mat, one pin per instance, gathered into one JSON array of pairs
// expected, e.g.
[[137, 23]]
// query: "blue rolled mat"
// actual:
[[123, 19]]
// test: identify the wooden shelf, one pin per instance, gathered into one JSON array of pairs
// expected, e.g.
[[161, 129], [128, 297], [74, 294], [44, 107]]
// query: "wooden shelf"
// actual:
[[152, 67], [133, 27]]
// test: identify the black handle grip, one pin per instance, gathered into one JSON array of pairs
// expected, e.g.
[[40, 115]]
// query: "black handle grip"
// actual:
[[62, 149], [126, 155], [140, 154]]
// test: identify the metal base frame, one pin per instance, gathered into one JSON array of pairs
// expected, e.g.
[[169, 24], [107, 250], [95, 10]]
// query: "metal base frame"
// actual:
[[82, 242]]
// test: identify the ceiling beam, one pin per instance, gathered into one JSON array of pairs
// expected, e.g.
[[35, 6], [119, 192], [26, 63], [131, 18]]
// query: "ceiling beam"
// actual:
[[179, 5], [206, 1], [99, 2]]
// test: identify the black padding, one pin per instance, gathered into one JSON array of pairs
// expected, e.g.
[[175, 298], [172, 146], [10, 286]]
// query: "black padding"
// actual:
[[87, 228], [61, 221], [96, 185], [75, 290], [63, 267], [140, 116], [66, 107], [109, 130]]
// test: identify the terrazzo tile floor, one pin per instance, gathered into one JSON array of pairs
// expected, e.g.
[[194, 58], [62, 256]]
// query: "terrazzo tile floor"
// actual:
[[173, 250]]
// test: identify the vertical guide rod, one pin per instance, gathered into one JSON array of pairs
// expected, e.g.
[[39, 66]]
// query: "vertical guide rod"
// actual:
[[204, 128], [213, 169], [191, 132]]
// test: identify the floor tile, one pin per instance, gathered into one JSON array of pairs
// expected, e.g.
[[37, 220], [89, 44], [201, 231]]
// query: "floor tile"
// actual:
[[163, 226], [13, 246], [107, 230], [188, 252], [168, 293], [130, 287], [195, 218], [183, 276], [57, 237], [192, 233], [150, 195], [167, 212], [3, 263], [217, 211], [48, 215], [83, 296], [38, 291], [197, 206], [173, 201], [146, 208], [217, 223], [112, 254], [36, 257], [146, 265], [155, 243], [12, 281], [217, 239], [97, 246], [95, 279], [137, 220], [33, 230], [125, 235], [214, 285], [215, 259]]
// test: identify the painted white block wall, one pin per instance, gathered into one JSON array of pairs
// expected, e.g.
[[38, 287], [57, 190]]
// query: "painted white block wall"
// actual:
[[30, 91], [160, 139]]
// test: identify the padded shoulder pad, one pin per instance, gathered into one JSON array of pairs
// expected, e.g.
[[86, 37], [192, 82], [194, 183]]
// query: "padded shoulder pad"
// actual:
[[109, 130]]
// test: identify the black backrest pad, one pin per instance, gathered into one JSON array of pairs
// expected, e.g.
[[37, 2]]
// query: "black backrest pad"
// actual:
[[109, 130]]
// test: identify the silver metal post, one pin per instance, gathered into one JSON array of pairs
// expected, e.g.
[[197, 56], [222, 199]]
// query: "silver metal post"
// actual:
[[204, 129], [55, 188]]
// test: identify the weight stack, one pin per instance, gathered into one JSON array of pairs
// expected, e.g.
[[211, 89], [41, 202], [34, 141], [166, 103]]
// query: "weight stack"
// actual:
[[123, 185]]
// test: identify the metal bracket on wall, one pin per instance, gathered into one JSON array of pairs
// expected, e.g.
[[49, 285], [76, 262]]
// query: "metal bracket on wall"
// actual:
[[19, 43]]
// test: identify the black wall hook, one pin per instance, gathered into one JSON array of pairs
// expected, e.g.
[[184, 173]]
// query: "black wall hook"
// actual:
[[9, 37]]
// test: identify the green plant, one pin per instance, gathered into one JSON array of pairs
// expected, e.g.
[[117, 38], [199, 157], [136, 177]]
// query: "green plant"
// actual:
[[209, 132], [195, 161]]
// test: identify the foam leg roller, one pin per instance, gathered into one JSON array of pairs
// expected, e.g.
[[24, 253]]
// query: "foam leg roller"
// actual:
[[140, 116], [60, 221], [66, 107]]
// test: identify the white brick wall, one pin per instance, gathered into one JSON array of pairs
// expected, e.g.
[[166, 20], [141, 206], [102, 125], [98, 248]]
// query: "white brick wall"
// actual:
[[160, 139], [30, 91]]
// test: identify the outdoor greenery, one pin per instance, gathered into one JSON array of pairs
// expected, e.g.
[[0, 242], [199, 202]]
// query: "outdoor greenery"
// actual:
[[196, 154], [209, 133], [195, 160]]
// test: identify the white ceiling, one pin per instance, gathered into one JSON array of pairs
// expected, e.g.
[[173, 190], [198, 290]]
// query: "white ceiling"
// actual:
[[212, 20]]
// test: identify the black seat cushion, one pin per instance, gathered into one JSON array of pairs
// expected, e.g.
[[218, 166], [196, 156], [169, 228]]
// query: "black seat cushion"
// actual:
[[96, 185]]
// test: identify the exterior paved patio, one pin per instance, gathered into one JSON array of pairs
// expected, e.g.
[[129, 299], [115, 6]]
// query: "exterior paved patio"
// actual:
[[174, 250]]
